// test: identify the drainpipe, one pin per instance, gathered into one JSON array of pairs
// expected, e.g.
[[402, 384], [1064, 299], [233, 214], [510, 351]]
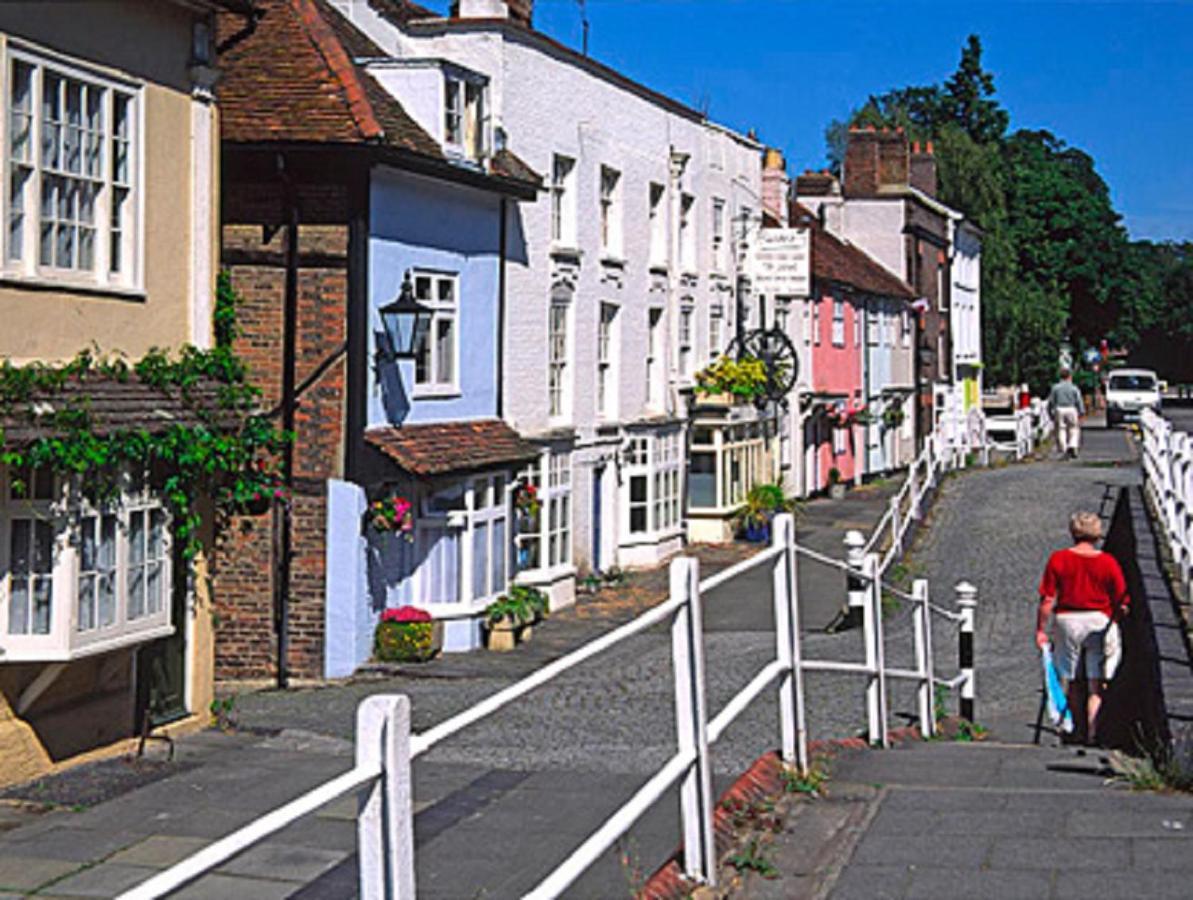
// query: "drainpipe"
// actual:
[[282, 512], [502, 240]]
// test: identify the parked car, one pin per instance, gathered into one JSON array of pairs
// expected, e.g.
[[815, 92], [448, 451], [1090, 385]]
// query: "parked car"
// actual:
[[1128, 392]]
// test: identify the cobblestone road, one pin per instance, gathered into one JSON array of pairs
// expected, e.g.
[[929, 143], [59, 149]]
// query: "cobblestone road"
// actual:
[[994, 528]]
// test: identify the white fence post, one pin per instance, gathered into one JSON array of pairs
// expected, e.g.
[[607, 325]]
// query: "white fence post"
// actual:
[[912, 491], [385, 820], [875, 662], [895, 536], [792, 717], [925, 693], [967, 601], [855, 587], [691, 718]]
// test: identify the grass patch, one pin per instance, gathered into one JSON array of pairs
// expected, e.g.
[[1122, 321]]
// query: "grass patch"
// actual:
[[751, 859], [810, 784], [1166, 769]]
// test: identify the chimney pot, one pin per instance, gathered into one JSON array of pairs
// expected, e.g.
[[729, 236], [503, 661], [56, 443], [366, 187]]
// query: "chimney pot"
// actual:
[[928, 147]]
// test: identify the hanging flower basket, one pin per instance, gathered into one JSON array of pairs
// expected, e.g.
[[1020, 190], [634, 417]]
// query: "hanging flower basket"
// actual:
[[407, 634], [893, 416], [743, 380], [392, 515], [526, 499]]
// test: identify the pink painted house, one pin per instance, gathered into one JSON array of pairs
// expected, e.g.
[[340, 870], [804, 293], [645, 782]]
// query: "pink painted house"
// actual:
[[844, 329]]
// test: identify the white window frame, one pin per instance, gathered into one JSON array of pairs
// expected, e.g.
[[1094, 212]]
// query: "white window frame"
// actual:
[[716, 330], [465, 115], [68, 635], [656, 199], [563, 201], [609, 202], [559, 357], [718, 235], [816, 320], [608, 355], [442, 311], [551, 475], [685, 337], [654, 357], [687, 232], [129, 238], [653, 460], [838, 321]]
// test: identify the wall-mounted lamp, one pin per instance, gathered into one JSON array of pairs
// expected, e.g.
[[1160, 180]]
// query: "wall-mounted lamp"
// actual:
[[406, 324]]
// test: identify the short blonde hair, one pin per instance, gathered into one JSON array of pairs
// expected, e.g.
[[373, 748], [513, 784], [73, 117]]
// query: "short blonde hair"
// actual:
[[1085, 526]]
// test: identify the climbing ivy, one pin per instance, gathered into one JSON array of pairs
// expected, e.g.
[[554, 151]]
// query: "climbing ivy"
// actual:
[[228, 453]]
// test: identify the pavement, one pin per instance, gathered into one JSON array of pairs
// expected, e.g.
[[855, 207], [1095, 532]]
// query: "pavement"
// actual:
[[503, 802]]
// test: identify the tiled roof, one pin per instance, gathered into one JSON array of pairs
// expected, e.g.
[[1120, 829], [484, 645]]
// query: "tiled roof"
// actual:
[[835, 260], [294, 80], [111, 406], [435, 449], [506, 164]]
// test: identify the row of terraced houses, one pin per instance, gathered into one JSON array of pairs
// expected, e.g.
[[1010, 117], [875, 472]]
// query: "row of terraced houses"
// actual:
[[581, 247]]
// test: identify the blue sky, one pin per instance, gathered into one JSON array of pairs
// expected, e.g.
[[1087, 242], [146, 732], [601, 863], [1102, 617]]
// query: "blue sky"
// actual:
[[1115, 79]]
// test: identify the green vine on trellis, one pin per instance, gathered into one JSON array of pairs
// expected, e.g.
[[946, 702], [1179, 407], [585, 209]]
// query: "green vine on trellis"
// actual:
[[228, 454]]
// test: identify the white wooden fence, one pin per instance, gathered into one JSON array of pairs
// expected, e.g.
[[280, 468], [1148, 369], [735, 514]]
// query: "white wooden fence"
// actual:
[[385, 746], [1168, 480]]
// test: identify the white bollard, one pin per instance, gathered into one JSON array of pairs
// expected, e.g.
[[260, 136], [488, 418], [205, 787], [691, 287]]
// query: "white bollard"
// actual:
[[875, 654], [792, 716], [855, 586]]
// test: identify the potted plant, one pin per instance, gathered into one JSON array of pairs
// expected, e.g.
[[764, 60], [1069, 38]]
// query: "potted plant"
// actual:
[[836, 487], [392, 515], [509, 619], [407, 634], [892, 416], [526, 501], [762, 503]]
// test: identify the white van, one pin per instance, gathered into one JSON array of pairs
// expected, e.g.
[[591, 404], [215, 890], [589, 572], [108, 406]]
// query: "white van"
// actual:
[[1127, 392]]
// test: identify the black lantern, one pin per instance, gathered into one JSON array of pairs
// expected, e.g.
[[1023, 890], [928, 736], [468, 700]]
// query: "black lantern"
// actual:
[[406, 322]]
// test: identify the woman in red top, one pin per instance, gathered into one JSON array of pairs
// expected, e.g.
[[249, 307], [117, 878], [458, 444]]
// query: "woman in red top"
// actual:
[[1086, 589]]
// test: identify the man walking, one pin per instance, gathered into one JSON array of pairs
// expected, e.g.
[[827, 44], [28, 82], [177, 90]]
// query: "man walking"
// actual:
[[1067, 407]]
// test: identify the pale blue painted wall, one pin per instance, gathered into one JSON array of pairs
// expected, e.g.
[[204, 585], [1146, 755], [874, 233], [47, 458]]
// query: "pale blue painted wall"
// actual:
[[418, 222], [350, 614]]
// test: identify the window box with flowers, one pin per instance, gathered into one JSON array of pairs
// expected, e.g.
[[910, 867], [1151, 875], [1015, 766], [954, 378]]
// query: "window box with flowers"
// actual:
[[392, 515], [407, 634]]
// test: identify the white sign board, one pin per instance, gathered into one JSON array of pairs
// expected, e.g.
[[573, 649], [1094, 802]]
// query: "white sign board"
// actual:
[[781, 262]]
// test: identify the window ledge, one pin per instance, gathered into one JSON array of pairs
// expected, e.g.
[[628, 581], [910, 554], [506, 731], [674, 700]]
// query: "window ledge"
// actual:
[[436, 393], [546, 575], [566, 251], [659, 268], [613, 261], [68, 286]]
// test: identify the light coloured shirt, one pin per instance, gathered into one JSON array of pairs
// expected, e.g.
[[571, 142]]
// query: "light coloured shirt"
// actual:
[[1065, 395]]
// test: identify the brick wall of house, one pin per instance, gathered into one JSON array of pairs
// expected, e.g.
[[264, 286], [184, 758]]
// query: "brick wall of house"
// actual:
[[254, 245]]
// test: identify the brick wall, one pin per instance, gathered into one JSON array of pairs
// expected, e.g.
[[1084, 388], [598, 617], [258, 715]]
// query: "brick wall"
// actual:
[[254, 247]]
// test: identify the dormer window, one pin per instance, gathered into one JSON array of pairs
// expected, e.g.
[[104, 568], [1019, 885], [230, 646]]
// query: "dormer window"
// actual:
[[464, 116]]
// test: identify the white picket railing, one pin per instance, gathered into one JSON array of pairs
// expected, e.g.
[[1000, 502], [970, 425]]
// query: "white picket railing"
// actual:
[[385, 748], [1168, 480]]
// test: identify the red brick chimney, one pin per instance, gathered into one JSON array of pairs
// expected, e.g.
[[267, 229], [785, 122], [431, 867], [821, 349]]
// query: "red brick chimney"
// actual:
[[775, 185], [923, 168], [873, 159]]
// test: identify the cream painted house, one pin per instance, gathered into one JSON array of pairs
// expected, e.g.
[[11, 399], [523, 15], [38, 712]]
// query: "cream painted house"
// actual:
[[110, 152]]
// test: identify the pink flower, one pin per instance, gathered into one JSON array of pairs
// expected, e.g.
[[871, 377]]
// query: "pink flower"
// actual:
[[406, 614]]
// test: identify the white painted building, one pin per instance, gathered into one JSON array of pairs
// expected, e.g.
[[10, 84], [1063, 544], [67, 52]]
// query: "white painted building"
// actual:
[[966, 314], [625, 287]]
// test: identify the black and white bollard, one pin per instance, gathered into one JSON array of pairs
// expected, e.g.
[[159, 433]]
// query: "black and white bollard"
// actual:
[[855, 584], [967, 602]]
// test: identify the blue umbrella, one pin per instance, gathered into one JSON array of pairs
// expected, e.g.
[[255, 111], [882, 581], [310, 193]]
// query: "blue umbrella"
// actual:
[[1058, 703]]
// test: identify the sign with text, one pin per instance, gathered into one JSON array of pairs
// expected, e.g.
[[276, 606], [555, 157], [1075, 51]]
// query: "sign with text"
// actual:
[[782, 262]]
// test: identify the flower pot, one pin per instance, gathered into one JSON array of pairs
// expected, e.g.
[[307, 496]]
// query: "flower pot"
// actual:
[[758, 532], [505, 634], [837, 490]]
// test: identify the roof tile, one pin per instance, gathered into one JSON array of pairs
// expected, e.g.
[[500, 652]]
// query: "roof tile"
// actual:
[[439, 448]]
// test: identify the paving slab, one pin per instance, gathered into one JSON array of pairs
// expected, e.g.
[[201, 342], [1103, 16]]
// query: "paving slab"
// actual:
[[159, 851], [25, 873], [105, 880], [70, 844], [226, 887], [282, 862]]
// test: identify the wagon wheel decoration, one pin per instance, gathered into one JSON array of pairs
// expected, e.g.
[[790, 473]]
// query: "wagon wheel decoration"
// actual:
[[777, 354]]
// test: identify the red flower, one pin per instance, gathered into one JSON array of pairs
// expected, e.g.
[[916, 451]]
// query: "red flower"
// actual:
[[406, 614]]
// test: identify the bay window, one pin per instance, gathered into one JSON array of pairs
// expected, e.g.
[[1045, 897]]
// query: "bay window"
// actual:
[[76, 577], [73, 174], [651, 479], [550, 528], [726, 461]]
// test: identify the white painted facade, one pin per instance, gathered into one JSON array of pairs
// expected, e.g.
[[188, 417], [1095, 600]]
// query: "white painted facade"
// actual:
[[624, 237]]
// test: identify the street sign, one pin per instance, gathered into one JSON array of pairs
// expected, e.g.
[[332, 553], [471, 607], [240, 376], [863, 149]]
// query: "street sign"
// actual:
[[780, 263]]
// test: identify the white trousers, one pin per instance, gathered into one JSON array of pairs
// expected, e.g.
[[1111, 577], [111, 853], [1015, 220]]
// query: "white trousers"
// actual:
[[1069, 428]]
